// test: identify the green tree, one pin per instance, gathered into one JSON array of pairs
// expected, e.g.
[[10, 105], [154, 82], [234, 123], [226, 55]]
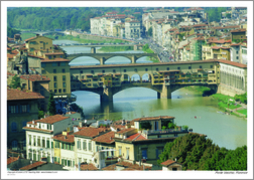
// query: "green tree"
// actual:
[[11, 32], [15, 82], [51, 105], [150, 31]]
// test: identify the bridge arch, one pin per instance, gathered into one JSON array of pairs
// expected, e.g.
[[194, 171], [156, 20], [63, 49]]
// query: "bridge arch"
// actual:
[[112, 60], [85, 60]]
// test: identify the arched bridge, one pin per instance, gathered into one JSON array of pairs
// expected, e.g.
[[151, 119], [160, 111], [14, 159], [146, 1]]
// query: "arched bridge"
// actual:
[[103, 57]]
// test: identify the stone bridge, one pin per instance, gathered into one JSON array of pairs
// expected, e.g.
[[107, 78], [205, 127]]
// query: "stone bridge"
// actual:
[[164, 78], [103, 57]]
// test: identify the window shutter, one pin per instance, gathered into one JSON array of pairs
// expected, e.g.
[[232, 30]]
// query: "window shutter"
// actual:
[[28, 108]]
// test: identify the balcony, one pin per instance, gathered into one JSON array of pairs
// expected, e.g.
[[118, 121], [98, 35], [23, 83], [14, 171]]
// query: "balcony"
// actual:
[[180, 129]]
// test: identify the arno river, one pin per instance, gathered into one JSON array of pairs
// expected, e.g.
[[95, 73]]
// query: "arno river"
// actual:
[[225, 130]]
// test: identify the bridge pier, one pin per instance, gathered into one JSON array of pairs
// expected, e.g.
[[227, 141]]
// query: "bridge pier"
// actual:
[[165, 93], [107, 95], [93, 50], [102, 60], [133, 59]]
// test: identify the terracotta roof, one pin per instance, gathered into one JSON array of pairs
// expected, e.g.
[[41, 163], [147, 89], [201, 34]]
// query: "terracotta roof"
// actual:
[[63, 138], [35, 77], [37, 129], [226, 27], [30, 55], [131, 166], [235, 44], [238, 30], [34, 165], [220, 47], [153, 118], [88, 167], [222, 41], [110, 168], [168, 162], [10, 55], [89, 132], [106, 138], [199, 25], [55, 60], [12, 159], [135, 137], [125, 130], [30, 38], [51, 119], [15, 94], [54, 53], [233, 63], [8, 48], [14, 52]]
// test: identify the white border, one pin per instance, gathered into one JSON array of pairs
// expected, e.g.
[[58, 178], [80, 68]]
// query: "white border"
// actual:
[[123, 174]]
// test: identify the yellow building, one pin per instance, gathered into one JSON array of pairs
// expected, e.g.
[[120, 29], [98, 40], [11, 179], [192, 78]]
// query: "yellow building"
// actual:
[[206, 52], [39, 43], [58, 71], [219, 52]]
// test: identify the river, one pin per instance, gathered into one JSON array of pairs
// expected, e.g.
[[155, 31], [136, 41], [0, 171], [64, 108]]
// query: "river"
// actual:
[[225, 130]]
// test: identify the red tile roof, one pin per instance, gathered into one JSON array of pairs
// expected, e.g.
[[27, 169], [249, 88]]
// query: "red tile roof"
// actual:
[[89, 132], [54, 53], [55, 60], [225, 27], [168, 162], [63, 138], [35, 77], [10, 55], [194, 8], [238, 30], [233, 63], [220, 47], [235, 44], [12, 159], [34, 165], [37, 129], [125, 130], [106, 138], [88, 167], [51, 119], [14, 52], [30, 38], [153, 118], [15, 94], [135, 137], [131, 166], [110, 168]]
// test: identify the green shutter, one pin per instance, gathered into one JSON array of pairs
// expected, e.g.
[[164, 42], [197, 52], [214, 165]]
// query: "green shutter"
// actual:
[[62, 162], [39, 157], [52, 145]]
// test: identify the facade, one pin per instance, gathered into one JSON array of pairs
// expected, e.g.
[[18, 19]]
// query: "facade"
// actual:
[[132, 29], [235, 53], [40, 133], [39, 43], [22, 106]]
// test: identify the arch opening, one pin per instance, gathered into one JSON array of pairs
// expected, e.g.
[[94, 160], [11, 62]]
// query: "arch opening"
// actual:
[[144, 59], [118, 60], [84, 60], [135, 78], [146, 78]]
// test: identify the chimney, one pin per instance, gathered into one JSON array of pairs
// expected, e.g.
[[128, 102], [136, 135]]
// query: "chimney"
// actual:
[[175, 159], [80, 124]]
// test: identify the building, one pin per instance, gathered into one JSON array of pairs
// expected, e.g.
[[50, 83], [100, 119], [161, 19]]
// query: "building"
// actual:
[[145, 139], [39, 43], [22, 106], [40, 133], [235, 52], [238, 35], [171, 165], [132, 29]]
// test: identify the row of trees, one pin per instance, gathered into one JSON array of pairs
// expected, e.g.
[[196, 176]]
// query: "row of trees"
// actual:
[[50, 18], [11, 32], [196, 152]]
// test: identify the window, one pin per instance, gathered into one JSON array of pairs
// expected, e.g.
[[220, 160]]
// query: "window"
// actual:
[[97, 148], [157, 69], [200, 67], [24, 124], [30, 139], [55, 85], [211, 66], [120, 151], [84, 145], [54, 64], [43, 65], [34, 141], [64, 84], [54, 71], [64, 90], [55, 78], [79, 145], [14, 127], [24, 108], [144, 154], [81, 72], [189, 67], [43, 142], [90, 146], [62, 64], [57, 144], [237, 57], [178, 68], [60, 90], [55, 91], [63, 70], [48, 144], [168, 69], [124, 70], [14, 144], [236, 52], [103, 71], [58, 64]]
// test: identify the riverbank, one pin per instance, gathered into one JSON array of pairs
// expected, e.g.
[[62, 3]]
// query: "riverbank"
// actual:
[[200, 90], [229, 105]]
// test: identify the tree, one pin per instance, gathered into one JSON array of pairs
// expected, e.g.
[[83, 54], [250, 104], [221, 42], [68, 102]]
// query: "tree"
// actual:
[[15, 82], [51, 105], [11, 32], [150, 31]]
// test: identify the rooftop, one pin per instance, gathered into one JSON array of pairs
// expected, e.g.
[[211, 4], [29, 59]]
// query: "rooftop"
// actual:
[[63, 138], [55, 60], [168, 162], [50, 119], [88, 167], [233, 63], [106, 138], [34, 165], [35, 77], [15, 94], [89, 132], [12, 159], [153, 118], [131, 166], [125, 130]]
